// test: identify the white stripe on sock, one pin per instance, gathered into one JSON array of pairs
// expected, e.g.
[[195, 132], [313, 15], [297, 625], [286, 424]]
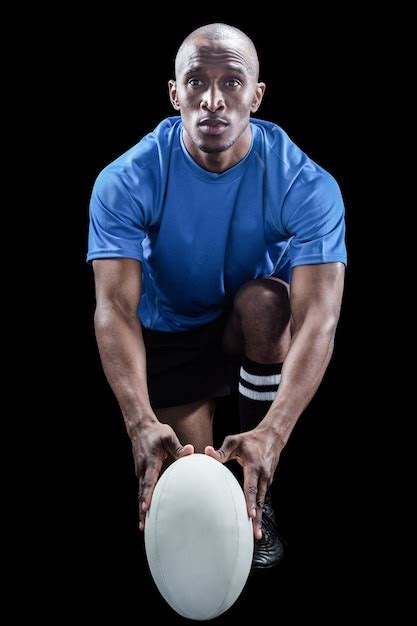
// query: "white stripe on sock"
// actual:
[[260, 380], [257, 395]]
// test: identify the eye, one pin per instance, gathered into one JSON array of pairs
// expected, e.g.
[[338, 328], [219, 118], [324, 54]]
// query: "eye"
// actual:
[[233, 82], [195, 82]]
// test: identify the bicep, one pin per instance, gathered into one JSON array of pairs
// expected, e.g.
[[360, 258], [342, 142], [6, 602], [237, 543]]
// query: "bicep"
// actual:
[[317, 290], [118, 283]]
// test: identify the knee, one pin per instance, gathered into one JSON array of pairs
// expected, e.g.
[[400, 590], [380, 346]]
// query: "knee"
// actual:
[[265, 297]]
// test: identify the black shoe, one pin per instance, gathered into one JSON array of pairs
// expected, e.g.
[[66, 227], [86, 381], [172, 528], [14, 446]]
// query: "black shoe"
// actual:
[[269, 550]]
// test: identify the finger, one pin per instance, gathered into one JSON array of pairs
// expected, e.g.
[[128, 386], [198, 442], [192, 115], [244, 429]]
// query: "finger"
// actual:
[[175, 448], [210, 451], [140, 499], [226, 451], [260, 501], [148, 485], [250, 489], [185, 450]]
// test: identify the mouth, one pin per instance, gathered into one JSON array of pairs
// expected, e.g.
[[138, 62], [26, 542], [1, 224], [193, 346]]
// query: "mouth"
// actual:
[[213, 126]]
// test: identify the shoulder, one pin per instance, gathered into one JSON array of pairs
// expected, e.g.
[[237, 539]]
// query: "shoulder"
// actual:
[[281, 151], [293, 177], [316, 186], [277, 146], [145, 159]]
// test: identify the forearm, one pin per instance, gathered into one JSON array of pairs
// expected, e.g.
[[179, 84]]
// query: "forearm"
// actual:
[[123, 356], [303, 369]]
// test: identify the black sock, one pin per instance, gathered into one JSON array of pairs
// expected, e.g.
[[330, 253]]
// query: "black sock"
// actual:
[[258, 385]]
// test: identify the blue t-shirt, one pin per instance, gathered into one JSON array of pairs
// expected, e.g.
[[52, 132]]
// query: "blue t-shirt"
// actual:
[[200, 235]]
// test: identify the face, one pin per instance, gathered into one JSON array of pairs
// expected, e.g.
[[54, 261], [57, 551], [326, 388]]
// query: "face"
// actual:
[[215, 91]]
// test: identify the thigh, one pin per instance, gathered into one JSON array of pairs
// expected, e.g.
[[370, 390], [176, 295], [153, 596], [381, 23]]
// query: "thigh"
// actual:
[[192, 422]]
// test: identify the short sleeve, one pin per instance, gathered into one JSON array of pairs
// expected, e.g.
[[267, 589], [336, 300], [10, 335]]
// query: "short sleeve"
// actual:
[[315, 222], [117, 221]]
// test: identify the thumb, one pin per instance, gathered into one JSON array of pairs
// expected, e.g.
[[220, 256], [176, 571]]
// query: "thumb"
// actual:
[[224, 453], [210, 451], [185, 450], [175, 448]]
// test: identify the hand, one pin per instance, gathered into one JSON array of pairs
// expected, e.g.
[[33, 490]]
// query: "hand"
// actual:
[[151, 446], [258, 452]]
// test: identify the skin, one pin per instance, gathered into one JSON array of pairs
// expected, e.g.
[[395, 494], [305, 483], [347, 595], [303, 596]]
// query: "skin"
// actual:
[[215, 91], [122, 351], [206, 88], [315, 299]]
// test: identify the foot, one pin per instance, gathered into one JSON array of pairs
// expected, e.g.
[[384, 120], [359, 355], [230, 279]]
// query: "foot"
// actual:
[[268, 551]]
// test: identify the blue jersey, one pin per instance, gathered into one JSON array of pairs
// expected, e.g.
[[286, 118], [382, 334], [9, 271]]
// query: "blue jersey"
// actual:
[[200, 235]]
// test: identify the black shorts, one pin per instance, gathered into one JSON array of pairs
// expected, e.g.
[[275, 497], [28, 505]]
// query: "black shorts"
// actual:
[[188, 366]]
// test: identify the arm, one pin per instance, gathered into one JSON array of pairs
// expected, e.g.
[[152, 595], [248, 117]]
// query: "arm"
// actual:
[[316, 295], [119, 337], [122, 352]]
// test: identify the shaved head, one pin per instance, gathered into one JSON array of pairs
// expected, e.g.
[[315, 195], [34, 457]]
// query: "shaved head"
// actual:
[[218, 33], [216, 89]]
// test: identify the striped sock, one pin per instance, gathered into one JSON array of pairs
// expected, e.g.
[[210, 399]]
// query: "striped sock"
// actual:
[[258, 386]]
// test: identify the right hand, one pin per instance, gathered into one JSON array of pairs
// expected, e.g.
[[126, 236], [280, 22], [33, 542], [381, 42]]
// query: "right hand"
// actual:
[[151, 446]]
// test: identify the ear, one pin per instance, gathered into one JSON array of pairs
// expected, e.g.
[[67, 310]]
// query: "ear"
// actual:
[[172, 88], [259, 94]]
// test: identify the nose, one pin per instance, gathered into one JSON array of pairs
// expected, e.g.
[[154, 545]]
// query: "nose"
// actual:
[[212, 99]]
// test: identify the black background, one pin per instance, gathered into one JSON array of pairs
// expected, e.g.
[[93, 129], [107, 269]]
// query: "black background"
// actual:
[[116, 89]]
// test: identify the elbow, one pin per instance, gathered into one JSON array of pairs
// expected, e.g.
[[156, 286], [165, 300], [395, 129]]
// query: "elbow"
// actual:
[[318, 323], [109, 313], [329, 324], [101, 318]]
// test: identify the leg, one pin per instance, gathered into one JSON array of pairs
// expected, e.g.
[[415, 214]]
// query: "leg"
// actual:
[[258, 334], [259, 325], [258, 331], [192, 423]]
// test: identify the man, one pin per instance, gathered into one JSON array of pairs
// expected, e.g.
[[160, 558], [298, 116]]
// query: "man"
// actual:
[[218, 254]]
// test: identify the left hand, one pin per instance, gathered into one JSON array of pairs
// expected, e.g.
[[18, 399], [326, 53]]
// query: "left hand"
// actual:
[[258, 452]]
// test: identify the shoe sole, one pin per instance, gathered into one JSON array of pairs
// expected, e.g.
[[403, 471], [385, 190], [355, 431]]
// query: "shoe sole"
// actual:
[[258, 568]]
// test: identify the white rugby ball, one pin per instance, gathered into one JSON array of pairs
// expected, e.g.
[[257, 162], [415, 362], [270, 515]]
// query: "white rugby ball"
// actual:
[[199, 537]]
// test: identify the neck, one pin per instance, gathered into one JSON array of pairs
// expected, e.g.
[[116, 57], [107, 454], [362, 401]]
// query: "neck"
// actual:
[[219, 162]]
